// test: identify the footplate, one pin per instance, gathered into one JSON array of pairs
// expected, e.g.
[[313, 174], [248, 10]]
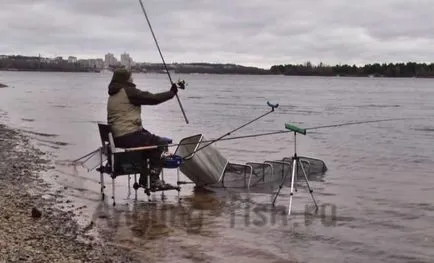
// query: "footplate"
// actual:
[[159, 189]]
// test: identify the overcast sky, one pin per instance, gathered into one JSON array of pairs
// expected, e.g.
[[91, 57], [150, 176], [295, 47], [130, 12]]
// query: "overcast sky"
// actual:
[[249, 32]]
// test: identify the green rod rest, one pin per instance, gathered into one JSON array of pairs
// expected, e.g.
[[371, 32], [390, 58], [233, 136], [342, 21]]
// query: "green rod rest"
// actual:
[[295, 128]]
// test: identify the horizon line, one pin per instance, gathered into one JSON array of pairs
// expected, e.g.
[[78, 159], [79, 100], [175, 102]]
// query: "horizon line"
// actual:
[[237, 64]]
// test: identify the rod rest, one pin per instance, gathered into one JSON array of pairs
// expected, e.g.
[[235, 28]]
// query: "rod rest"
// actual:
[[295, 129]]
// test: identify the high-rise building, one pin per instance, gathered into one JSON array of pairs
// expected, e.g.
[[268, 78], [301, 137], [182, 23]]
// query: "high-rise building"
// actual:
[[99, 63], [126, 60], [72, 59], [110, 60]]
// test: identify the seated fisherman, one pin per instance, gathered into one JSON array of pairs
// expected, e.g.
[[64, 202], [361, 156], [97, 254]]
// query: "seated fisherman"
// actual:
[[124, 118]]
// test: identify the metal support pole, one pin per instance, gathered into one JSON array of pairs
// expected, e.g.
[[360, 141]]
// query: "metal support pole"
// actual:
[[308, 186], [293, 176], [101, 179]]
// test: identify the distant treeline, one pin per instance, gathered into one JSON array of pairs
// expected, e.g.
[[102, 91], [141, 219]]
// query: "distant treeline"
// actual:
[[409, 69], [199, 68], [24, 63], [219, 69]]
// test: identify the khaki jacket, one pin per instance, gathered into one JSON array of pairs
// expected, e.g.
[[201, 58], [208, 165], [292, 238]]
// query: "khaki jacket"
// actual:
[[124, 106]]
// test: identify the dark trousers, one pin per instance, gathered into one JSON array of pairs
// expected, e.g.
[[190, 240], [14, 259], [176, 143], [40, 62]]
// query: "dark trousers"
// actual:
[[145, 138]]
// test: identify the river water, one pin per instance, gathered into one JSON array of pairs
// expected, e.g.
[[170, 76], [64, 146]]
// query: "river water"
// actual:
[[376, 199]]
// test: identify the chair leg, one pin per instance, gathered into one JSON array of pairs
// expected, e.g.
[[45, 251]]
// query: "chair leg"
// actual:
[[129, 185], [101, 174], [113, 191], [101, 181], [177, 176], [148, 178], [178, 183], [163, 197], [148, 185], [136, 185]]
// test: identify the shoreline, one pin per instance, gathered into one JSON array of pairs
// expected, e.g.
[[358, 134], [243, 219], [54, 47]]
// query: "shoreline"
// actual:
[[32, 227], [225, 73]]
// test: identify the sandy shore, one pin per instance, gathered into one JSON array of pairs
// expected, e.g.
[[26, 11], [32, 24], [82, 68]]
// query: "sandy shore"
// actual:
[[32, 229]]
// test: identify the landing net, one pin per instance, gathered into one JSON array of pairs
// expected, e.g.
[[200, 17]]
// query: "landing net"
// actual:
[[268, 175]]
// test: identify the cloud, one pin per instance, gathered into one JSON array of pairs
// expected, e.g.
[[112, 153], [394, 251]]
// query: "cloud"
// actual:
[[256, 32]]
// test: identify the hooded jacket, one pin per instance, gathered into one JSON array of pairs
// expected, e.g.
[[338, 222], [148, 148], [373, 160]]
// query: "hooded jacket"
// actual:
[[124, 103]]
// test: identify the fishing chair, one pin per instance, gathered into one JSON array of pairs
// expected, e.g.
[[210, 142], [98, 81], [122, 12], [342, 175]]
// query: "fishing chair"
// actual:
[[126, 161]]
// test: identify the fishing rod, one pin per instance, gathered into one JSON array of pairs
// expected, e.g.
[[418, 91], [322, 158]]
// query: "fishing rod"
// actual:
[[286, 131], [264, 134], [273, 106], [181, 84], [150, 147], [354, 123]]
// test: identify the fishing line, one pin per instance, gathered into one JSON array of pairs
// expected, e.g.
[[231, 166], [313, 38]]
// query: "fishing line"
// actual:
[[161, 55], [268, 133], [358, 122], [311, 128], [249, 136], [273, 106]]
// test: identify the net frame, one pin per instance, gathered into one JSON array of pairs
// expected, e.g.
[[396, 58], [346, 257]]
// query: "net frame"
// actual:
[[261, 166]]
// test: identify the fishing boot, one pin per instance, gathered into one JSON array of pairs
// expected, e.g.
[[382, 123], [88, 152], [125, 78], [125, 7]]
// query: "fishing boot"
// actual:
[[143, 180], [157, 183]]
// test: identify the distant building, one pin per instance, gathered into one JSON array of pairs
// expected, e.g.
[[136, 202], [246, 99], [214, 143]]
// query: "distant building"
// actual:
[[126, 60], [72, 59], [83, 62], [58, 60], [91, 63], [110, 60], [99, 63]]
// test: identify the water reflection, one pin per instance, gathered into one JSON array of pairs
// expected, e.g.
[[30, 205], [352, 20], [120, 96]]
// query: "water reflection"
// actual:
[[148, 220]]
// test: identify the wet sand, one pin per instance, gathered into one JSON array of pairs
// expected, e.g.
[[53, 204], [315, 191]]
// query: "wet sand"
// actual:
[[33, 228]]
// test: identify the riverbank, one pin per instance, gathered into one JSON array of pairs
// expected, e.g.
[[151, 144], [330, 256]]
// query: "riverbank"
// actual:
[[32, 227]]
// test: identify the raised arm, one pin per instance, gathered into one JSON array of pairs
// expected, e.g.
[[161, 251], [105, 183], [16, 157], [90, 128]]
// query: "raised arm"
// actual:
[[139, 97]]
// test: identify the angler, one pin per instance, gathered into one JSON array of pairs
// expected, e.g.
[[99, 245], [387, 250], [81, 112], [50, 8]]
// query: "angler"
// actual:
[[124, 117]]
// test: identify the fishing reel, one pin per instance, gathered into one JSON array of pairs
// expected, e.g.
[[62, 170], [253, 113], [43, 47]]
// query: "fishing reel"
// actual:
[[181, 84]]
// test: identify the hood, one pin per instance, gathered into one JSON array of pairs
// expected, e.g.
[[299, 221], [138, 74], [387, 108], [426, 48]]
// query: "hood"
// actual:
[[114, 88], [119, 80]]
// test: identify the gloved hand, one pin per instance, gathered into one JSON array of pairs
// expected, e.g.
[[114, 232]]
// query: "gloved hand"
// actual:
[[174, 88]]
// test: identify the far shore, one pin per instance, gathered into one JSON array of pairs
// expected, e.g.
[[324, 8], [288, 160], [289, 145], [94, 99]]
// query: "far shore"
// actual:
[[3, 85], [243, 74]]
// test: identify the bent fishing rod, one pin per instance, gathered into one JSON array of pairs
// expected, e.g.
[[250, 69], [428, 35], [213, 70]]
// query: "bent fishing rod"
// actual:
[[273, 106], [263, 134], [181, 84], [150, 147], [209, 142]]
